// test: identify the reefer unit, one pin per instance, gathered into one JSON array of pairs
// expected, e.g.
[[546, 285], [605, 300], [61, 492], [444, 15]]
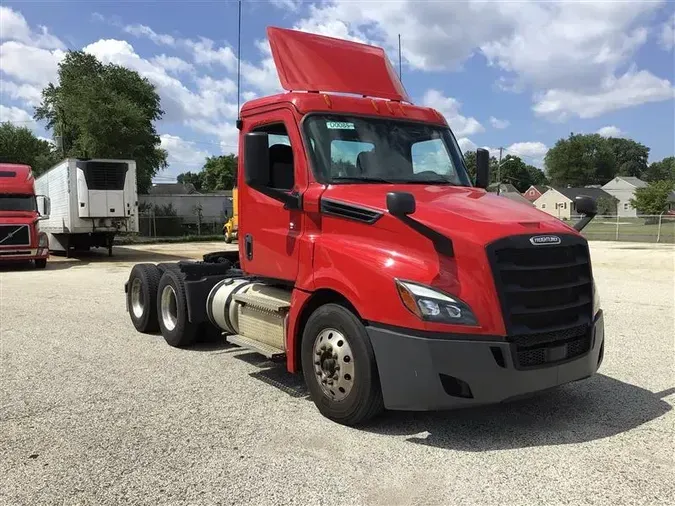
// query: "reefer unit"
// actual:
[[92, 200]]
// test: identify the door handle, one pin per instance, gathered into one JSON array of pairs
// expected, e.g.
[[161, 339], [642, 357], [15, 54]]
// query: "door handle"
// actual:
[[248, 246]]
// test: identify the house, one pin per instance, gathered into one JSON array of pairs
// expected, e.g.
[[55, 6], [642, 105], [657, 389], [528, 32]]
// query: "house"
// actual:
[[671, 203], [510, 192], [623, 188], [560, 202], [534, 192]]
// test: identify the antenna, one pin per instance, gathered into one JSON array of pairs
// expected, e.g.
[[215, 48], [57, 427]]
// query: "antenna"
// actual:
[[238, 59], [399, 59]]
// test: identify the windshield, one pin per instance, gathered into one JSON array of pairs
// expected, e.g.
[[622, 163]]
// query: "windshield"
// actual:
[[348, 149], [17, 203]]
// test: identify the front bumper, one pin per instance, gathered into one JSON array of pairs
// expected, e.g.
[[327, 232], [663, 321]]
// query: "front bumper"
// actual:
[[23, 254], [442, 372]]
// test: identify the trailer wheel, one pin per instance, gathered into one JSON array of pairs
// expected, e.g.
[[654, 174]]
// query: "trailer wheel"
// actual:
[[339, 366], [172, 311], [142, 297]]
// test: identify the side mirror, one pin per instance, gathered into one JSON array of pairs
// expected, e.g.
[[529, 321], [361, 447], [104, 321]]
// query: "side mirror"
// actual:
[[44, 205], [400, 203], [588, 207], [482, 168], [256, 159]]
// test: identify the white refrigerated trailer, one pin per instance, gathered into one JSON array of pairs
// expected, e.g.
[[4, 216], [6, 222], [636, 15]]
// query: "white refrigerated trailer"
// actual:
[[92, 200]]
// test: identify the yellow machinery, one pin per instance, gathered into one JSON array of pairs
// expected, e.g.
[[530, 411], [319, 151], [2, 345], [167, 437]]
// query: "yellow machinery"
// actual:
[[231, 226]]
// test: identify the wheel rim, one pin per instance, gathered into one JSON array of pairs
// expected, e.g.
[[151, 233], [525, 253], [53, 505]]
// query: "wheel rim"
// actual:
[[334, 363], [137, 299], [169, 308]]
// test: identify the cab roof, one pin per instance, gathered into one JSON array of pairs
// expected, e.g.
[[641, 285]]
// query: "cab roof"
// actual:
[[16, 178], [311, 62], [305, 102]]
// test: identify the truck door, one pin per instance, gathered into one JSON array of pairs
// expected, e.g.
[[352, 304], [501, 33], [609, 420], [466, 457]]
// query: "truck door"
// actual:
[[268, 233]]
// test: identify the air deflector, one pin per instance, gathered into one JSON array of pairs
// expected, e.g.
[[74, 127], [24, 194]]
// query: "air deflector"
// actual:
[[310, 62]]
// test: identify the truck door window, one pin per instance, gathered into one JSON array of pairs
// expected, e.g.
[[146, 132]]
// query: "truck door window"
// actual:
[[282, 172]]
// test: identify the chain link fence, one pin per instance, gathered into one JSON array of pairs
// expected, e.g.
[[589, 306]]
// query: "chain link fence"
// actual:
[[649, 229]]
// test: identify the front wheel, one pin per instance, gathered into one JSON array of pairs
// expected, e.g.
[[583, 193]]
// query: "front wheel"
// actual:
[[339, 366]]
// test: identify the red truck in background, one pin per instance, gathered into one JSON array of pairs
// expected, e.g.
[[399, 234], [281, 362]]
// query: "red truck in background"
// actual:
[[368, 259], [20, 214]]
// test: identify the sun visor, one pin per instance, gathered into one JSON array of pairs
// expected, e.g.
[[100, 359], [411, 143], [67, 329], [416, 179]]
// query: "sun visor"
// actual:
[[309, 62]]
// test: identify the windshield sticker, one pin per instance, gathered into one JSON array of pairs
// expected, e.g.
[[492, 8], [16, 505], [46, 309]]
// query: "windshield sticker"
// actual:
[[339, 125]]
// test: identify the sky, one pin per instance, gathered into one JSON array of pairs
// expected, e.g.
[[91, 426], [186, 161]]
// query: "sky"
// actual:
[[513, 74]]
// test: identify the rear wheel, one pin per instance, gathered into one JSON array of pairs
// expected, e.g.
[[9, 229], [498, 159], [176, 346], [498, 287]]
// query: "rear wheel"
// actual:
[[40, 263], [142, 297], [339, 366], [172, 311]]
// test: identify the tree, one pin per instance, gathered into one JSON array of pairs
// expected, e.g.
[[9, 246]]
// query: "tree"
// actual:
[[219, 173], [652, 199], [580, 160], [661, 171], [20, 145], [630, 156], [519, 174], [196, 179], [105, 111], [607, 205]]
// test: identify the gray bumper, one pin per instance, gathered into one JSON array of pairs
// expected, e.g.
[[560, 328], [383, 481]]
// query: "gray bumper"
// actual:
[[442, 372]]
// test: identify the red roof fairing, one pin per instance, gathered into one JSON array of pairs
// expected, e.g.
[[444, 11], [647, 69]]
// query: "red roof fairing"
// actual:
[[309, 62]]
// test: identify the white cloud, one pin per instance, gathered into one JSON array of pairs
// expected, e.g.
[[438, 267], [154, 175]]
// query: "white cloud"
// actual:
[[528, 149], [146, 31], [466, 144], [667, 35], [13, 26], [631, 89], [172, 64], [292, 5], [610, 131], [449, 107], [29, 63], [183, 155], [28, 93], [499, 123], [15, 115]]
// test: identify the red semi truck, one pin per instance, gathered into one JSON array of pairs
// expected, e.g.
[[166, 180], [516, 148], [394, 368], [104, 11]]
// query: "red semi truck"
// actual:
[[368, 260], [20, 214]]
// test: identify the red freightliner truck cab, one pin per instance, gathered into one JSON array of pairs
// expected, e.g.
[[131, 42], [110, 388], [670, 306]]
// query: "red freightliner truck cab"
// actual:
[[369, 261], [20, 214]]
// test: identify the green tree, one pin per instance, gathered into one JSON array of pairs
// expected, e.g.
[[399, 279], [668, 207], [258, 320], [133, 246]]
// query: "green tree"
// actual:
[[520, 174], [630, 156], [661, 171], [580, 160], [105, 111], [219, 173], [194, 178], [607, 205], [20, 145], [652, 199]]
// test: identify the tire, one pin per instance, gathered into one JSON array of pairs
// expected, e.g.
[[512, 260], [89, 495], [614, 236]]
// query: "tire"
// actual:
[[361, 400], [172, 312], [40, 263], [142, 297], [228, 239]]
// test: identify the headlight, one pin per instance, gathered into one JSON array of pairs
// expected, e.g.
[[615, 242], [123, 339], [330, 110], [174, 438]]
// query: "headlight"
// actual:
[[596, 299], [434, 306], [43, 241]]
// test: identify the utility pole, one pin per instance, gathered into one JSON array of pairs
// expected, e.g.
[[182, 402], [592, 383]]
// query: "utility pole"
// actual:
[[499, 171]]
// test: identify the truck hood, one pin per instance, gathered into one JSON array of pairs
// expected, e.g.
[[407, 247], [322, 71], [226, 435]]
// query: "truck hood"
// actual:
[[477, 215], [17, 217]]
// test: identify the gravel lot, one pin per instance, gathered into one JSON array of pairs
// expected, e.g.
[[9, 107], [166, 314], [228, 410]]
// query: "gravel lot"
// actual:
[[92, 412]]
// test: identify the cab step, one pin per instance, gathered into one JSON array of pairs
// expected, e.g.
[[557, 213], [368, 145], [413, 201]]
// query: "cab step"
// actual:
[[264, 349]]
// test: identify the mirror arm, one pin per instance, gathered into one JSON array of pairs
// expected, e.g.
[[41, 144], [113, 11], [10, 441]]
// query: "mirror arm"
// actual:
[[581, 224]]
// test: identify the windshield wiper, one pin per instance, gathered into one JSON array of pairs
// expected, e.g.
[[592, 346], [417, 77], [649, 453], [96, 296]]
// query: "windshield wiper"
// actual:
[[366, 179]]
